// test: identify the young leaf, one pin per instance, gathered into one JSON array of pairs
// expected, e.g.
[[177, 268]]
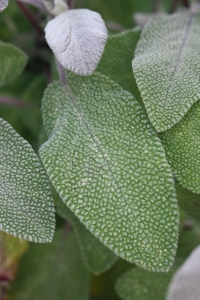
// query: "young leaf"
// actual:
[[190, 202], [3, 4], [182, 146], [185, 282], [116, 59], [166, 67], [27, 208], [53, 271], [12, 62], [139, 284], [109, 167], [77, 38], [96, 256]]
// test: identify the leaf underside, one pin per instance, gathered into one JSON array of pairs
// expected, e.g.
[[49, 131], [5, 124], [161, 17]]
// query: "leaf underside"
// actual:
[[77, 38], [182, 146], [3, 4], [27, 208], [12, 62], [109, 167], [96, 256], [166, 67]]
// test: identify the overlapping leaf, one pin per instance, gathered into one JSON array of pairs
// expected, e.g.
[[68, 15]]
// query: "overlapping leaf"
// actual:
[[3, 4], [27, 208], [12, 62], [189, 201], [116, 60], [139, 284], [77, 37], [185, 282], [166, 67], [97, 257], [182, 146], [109, 167], [53, 271]]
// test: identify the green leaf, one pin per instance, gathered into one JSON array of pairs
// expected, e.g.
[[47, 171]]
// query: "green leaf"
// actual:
[[116, 60], [109, 167], [139, 284], [182, 146], [12, 62], [53, 271], [190, 202], [27, 208], [166, 67], [96, 256]]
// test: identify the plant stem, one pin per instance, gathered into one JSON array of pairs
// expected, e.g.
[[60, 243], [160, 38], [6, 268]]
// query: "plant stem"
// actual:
[[115, 26], [31, 18], [186, 3], [11, 101], [61, 72], [174, 6]]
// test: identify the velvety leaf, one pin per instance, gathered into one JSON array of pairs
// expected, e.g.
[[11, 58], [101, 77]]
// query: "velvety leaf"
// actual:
[[185, 282], [3, 4], [96, 256], [109, 167], [77, 38], [166, 67], [182, 146], [27, 208], [116, 60], [190, 202], [139, 284], [53, 271], [12, 62]]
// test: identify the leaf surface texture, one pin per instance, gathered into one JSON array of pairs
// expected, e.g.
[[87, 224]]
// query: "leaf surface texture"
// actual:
[[27, 208], [182, 146], [166, 67], [96, 256], [109, 167]]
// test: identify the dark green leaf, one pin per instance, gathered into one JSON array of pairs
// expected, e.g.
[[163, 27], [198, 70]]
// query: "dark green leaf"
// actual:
[[53, 271], [12, 62]]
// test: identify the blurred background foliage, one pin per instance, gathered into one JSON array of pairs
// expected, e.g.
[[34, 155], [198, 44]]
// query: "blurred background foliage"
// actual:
[[57, 271]]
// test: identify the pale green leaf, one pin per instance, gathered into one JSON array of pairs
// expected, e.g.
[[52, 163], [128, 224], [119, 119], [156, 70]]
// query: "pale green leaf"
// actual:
[[27, 208], [96, 256], [190, 202], [12, 62], [109, 167], [53, 271], [138, 284], [116, 60], [166, 67], [3, 4], [182, 146]]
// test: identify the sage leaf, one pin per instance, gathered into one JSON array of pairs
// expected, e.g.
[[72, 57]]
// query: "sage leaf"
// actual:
[[185, 282], [12, 62], [182, 146], [77, 38], [109, 167], [27, 208], [116, 58], [189, 202], [3, 4], [53, 271], [96, 256], [139, 284], [166, 67]]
